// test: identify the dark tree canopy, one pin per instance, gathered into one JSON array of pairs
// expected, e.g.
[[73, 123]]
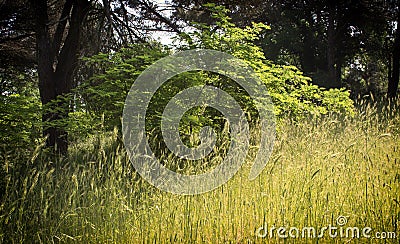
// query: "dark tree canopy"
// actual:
[[323, 38]]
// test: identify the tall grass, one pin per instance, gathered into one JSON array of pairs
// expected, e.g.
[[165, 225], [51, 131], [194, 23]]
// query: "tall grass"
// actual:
[[320, 169]]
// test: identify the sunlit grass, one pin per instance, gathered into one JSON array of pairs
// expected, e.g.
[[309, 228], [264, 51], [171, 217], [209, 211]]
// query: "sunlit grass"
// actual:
[[320, 169]]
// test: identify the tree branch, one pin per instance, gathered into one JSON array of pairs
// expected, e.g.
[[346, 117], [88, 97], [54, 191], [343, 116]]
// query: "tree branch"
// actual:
[[160, 17], [58, 36]]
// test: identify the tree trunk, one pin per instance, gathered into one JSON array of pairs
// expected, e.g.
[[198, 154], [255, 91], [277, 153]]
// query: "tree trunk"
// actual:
[[394, 76], [338, 73], [308, 53], [56, 65], [331, 50]]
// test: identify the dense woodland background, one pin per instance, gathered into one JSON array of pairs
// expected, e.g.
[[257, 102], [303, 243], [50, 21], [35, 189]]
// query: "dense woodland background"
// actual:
[[67, 66], [353, 45]]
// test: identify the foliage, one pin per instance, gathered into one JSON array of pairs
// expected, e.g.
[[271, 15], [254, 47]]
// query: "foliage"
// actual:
[[366, 75], [20, 113], [104, 94], [20, 121], [322, 38], [96, 104], [291, 91]]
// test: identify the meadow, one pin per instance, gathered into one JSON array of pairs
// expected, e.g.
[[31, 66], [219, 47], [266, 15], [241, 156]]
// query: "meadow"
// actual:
[[321, 170]]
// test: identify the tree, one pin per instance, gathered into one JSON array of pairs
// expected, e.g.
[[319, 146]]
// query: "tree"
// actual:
[[57, 60], [290, 90], [292, 93], [320, 37], [394, 58], [56, 39], [327, 35]]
